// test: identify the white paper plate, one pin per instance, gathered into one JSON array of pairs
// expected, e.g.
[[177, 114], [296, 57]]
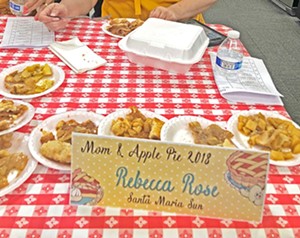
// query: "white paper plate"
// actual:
[[49, 125], [105, 124], [58, 77], [106, 24], [20, 144], [177, 129], [242, 141], [23, 120]]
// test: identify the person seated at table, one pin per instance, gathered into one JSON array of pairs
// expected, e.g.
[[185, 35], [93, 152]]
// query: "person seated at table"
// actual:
[[34, 5], [174, 10]]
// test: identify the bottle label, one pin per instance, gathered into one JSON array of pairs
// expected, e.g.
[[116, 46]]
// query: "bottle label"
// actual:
[[228, 65], [15, 7]]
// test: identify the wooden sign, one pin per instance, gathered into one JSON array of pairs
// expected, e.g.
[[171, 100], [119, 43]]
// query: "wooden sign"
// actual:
[[162, 176]]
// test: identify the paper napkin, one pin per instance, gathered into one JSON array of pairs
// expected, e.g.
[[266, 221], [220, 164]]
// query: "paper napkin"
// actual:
[[78, 56]]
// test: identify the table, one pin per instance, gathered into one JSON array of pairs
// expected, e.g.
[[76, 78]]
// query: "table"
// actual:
[[40, 207]]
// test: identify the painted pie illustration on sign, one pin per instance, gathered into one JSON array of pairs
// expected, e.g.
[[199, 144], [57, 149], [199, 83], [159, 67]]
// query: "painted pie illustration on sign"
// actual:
[[247, 173], [85, 190]]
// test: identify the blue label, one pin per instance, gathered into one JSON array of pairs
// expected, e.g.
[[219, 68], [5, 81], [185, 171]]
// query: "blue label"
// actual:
[[15, 6], [228, 65]]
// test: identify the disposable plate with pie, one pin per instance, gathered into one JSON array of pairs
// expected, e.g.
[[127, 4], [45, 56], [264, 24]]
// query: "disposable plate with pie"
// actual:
[[24, 163], [14, 114], [30, 80], [267, 131], [50, 141], [142, 124], [196, 130], [120, 27]]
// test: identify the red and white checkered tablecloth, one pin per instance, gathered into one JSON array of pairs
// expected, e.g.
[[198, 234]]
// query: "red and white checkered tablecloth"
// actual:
[[40, 206]]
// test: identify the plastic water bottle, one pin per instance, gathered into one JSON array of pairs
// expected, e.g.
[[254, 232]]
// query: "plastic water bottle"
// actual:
[[16, 7], [230, 55]]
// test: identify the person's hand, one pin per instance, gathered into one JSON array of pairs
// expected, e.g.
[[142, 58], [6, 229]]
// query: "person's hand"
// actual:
[[163, 13], [53, 16], [32, 5]]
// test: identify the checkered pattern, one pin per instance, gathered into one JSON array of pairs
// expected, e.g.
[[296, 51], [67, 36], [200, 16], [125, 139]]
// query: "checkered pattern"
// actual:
[[40, 207]]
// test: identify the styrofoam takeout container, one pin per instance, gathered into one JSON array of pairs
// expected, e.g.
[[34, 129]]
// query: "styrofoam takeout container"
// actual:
[[167, 45]]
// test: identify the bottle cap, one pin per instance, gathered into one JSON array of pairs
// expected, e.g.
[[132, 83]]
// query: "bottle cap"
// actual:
[[233, 34]]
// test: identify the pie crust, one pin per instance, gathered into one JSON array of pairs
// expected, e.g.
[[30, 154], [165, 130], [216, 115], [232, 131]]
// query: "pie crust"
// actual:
[[248, 169]]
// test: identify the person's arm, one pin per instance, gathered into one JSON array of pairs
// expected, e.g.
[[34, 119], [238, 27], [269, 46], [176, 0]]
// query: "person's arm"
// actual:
[[182, 10], [35, 5], [73, 7], [78, 7], [54, 16]]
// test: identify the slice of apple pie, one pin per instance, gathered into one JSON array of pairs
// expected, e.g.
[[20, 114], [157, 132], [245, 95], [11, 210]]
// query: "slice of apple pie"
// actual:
[[9, 113], [211, 135]]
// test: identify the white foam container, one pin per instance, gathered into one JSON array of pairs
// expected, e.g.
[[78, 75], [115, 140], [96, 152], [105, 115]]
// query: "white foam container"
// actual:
[[167, 45]]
